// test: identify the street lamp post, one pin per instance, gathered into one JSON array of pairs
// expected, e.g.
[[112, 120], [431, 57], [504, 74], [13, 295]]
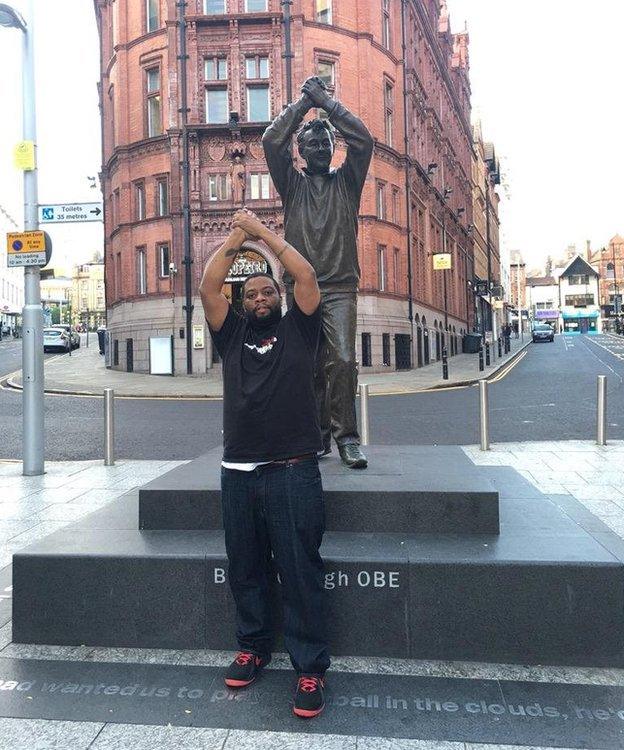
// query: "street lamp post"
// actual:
[[32, 315], [616, 303]]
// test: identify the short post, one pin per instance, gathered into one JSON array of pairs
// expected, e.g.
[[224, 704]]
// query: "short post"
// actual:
[[109, 427], [481, 358], [500, 348], [601, 411], [484, 415], [444, 364], [487, 353], [364, 431]]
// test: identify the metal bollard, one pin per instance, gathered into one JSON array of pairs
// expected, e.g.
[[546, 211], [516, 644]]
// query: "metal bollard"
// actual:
[[481, 358], [500, 348], [601, 411], [109, 427], [484, 415], [487, 353], [364, 423], [444, 364]]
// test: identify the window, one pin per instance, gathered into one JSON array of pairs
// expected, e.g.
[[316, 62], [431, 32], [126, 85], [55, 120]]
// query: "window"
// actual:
[[218, 187], [141, 271], [385, 23], [216, 105], [381, 200], [139, 201], [163, 260], [381, 268], [256, 67], [578, 280], [154, 115], [258, 109], [116, 214], [162, 197], [258, 186], [152, 20], [385, 346], [214, 7], [326, 71], [579, 300], [366, 350], [252, 6], [323, 10], [389, 111], [215, 68], [610, 271], [395, 216]]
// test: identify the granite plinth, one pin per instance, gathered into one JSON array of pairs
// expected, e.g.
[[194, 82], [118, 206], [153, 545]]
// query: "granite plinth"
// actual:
[[420, 489]]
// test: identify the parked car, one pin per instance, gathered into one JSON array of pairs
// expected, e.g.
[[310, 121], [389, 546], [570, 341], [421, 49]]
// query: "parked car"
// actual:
[[543, 332], [56, 339], [75, 336]]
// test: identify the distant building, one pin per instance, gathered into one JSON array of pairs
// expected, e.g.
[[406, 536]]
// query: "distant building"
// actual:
[[579, 297], [88, 302], [56, 292], [517, 292], [610, 264], [542, 300]]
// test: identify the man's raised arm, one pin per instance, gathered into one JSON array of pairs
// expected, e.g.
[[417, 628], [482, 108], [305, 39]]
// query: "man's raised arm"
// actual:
[[306, 290], [215, 304], [277, 140]]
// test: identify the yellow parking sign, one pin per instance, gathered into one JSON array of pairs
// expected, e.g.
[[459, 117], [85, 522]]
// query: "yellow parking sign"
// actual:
[[28, 249]]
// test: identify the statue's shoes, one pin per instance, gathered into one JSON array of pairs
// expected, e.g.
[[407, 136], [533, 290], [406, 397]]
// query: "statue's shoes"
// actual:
[[352, 456], [325, 452]]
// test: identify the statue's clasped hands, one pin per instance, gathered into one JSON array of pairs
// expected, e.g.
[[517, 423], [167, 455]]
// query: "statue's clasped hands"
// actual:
[[248, 222], [316, 91]]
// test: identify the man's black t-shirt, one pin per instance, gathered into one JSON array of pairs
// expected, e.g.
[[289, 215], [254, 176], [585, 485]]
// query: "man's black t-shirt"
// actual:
[[269, 407]]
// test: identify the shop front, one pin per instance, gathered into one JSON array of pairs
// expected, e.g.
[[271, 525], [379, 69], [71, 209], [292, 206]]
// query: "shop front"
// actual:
[[581, 321], [548, 316]]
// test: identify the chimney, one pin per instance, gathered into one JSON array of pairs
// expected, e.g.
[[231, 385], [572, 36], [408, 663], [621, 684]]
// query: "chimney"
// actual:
[[588, 250]]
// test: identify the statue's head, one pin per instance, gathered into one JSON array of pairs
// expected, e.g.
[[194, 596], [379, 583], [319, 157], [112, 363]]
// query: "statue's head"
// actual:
[[262, 301], [316, 145]]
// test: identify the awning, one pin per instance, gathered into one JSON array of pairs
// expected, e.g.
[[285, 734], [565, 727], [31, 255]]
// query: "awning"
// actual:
[[576, 314]]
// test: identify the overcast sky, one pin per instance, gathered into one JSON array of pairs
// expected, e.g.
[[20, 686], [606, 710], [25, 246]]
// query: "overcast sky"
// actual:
[[543, 80]]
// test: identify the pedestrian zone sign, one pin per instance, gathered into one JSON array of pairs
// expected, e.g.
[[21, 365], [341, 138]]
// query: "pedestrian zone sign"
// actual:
[[441, 261], [28, 249]]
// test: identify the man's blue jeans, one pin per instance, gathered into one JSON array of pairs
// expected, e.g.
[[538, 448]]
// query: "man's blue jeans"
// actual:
[[277, 511]]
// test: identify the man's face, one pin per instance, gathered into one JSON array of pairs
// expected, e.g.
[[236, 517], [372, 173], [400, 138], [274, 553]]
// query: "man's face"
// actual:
[[317, 149], [261, 299]]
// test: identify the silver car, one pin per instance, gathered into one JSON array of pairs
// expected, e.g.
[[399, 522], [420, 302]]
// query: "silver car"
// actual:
[[56, 339], [73, 334]]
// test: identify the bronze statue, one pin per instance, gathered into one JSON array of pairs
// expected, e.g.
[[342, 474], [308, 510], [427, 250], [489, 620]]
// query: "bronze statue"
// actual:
[[321, 220]]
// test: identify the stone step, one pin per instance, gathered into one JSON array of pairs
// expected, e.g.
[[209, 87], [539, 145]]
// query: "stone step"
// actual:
[[418, 489], [529, 596]]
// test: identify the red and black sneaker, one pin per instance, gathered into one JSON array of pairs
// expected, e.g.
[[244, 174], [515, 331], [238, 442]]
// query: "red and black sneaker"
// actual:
[[244, 669], [309, 700]]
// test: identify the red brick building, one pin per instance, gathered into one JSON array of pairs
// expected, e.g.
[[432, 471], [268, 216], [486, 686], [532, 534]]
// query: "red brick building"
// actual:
[[235, 64], [609, 262]]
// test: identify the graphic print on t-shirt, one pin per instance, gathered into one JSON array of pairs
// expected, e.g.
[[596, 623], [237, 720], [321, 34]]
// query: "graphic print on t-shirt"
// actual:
[[265, 345]]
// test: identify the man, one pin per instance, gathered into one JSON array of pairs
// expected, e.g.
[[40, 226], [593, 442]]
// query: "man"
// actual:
[[270, 482], [321, 220]]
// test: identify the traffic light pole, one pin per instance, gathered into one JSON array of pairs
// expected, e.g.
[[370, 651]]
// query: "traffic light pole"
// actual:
[[32, 314]]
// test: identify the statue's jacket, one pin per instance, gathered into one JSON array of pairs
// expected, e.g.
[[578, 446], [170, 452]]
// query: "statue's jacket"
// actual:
[[321, 211]]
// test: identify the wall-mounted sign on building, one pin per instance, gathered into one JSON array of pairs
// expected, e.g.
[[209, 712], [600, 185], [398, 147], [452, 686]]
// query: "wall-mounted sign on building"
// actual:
[[441, 261], [246, 263]]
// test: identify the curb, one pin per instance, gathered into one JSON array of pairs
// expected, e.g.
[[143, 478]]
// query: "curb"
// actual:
[[9, 382]]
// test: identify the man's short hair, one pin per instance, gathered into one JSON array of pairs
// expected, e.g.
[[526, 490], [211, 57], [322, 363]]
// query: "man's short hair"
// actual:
[[266, 275], [315, 126]]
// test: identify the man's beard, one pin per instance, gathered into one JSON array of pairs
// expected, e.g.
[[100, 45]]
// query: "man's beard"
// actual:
[[266, 321]]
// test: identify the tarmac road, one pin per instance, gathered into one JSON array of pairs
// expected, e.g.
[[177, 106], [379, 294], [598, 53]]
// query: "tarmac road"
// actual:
[[550, 394]]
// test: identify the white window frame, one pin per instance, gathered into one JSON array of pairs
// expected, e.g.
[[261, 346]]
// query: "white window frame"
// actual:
[[268, 95], [164, 267], [381, 267], [141, 262], [209, 90]]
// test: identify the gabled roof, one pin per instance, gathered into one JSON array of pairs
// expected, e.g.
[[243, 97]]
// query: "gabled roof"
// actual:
[[578, 266]]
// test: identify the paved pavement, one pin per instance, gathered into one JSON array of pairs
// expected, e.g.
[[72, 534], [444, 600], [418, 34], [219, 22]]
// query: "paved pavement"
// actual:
[[84, 373], [33, 507]]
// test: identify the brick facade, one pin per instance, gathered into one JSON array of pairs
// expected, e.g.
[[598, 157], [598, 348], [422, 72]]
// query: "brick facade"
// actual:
[[609, 262], [232, 57]]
